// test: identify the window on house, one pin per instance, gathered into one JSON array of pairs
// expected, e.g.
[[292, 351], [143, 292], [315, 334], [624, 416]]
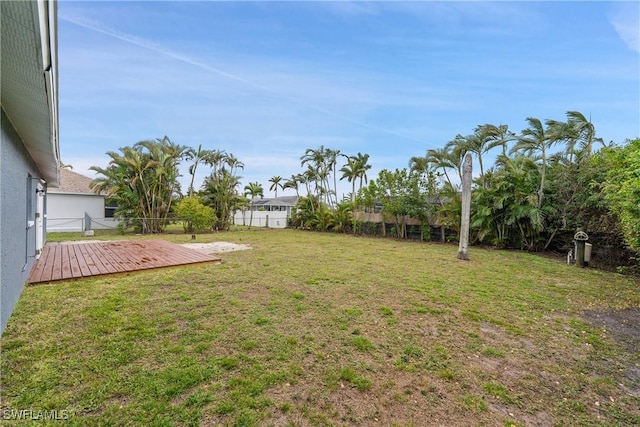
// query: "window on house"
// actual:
[[110, 209]]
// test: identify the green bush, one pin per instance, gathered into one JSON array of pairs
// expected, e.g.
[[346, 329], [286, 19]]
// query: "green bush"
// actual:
[[622, 189], [194, 215]]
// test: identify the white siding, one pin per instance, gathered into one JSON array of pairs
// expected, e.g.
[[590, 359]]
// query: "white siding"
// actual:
[[65, 211]]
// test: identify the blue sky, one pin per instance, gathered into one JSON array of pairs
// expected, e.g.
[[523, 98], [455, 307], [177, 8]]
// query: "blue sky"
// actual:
[[267, 80]]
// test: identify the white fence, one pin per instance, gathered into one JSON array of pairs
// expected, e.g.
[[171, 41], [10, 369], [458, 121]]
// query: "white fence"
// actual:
[[270, 219], [267, 219], [80, 224]]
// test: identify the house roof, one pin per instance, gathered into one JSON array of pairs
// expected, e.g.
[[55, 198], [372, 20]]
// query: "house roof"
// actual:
[[29, 93], [72, 182], [277, 201]]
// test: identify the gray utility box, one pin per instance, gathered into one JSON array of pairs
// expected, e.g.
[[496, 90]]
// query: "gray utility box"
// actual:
[[587, 252]]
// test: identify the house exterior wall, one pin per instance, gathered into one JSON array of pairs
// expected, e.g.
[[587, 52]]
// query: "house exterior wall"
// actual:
[[66, 211], [276, 219], [17, 240]]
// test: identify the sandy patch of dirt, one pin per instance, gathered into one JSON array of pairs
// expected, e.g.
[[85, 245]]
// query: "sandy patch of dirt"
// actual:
[[623, 325], [216, 247], [209, 248]]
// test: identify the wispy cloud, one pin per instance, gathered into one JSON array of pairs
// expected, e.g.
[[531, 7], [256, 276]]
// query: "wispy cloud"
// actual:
[[500, 18], [140, 42], [625, 18], [97, 26], [265, 81]]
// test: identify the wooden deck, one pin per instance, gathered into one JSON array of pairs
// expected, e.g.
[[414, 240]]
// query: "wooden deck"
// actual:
[[68, 260]]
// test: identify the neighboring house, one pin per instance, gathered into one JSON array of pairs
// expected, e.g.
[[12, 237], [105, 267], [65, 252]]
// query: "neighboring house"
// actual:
[[74, 206], [272, 213], [29, 151]]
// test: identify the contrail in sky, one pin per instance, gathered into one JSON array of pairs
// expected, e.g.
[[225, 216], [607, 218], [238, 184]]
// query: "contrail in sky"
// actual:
[[128, 38]]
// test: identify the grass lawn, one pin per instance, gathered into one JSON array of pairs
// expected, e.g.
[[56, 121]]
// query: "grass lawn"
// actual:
[[325, 329]]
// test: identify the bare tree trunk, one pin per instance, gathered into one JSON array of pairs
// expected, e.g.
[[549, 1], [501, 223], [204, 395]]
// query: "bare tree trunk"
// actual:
[[463, 248], [550, 239]]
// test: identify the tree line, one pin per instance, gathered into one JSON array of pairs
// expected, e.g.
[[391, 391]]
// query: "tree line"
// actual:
[[143, 180], [319, 177], [551, 177]]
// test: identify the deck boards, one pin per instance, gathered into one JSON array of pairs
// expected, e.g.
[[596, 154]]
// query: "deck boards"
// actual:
[[69, 260]]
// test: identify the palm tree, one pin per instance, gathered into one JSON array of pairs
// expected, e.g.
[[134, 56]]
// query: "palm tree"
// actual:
[[323, 189], [350, 172], [311, 176], [356, 169], [304, 214], [144, 180], [196, 156], [420, 165], [253, 189], [508, 205], [586, 133], [303, 178], [221, 186], [343, 217], [163, 156], [275, 180], [457, 148], [332, 160], [316, 162], [444, 158], [233, 163], [315, 157], [484, 139], [500, 136], [535, 140], [524, 213], [215, 159], [362, 166], [563, 132], [220, 189], [478, 144], [115, 183], [293, 183]]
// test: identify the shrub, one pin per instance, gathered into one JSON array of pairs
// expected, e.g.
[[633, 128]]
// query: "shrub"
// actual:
[[194, 215]]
